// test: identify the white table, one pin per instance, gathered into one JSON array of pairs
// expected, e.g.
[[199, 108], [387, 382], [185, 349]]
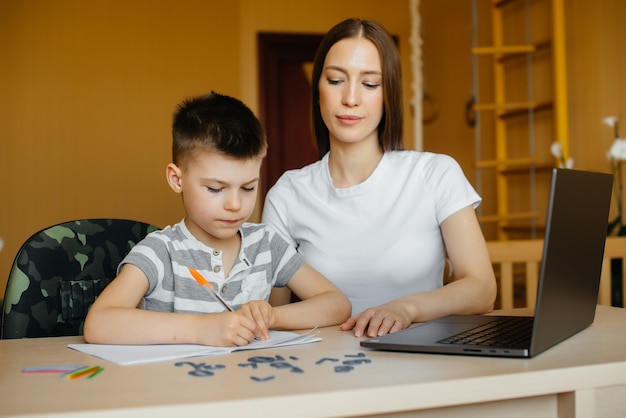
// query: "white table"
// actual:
[[581, 377]]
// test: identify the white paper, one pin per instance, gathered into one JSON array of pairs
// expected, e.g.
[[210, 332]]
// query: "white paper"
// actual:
[[139, 354]]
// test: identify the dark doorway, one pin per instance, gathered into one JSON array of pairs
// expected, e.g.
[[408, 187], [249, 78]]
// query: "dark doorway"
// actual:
[[285, 62]]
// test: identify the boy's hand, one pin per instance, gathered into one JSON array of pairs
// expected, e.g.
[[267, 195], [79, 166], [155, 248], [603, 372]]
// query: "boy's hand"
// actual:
[[227, 329], [262, 313]]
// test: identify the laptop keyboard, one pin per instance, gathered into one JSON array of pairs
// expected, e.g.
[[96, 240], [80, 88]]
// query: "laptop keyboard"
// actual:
[[504, 332]]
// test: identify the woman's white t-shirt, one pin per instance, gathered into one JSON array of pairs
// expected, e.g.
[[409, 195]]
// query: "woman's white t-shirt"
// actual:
[[378, 240]]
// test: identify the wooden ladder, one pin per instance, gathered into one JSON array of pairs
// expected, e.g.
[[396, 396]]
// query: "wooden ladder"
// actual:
[[520, 108]]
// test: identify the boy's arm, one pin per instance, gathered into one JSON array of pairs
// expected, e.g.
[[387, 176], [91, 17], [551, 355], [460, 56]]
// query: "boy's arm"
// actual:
[[115, 319], [322, 303]]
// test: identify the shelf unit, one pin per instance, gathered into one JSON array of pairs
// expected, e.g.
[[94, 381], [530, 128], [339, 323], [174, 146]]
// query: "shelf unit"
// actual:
[[520, 108]]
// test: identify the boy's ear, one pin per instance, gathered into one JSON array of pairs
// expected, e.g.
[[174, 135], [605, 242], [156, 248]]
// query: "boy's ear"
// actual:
[[174, 178]]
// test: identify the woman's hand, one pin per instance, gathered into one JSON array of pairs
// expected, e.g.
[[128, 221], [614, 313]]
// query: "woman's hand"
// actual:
[[381, 320]]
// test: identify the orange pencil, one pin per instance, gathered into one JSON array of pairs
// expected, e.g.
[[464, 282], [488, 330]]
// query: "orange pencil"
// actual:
[[203, 282]]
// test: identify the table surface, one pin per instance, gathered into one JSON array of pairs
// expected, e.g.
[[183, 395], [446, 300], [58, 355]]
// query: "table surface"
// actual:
[[329, 378]]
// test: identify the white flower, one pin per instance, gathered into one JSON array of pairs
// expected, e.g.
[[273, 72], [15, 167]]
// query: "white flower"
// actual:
[[617, 152], [613, 122], [610, 121], [556, 149]]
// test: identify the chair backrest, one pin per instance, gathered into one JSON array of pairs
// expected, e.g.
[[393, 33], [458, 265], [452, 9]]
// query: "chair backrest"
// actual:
[[59, 271], [517, 262], [516, 259]]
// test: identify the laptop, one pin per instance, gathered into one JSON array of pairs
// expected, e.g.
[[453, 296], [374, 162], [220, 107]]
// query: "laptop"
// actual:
[[567, 293]]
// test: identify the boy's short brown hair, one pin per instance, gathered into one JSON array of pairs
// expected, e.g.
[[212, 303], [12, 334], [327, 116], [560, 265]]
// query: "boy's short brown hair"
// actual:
[[219, 123]]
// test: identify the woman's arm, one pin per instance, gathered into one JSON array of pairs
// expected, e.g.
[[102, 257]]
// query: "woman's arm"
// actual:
[[115, 319], [473, 290]]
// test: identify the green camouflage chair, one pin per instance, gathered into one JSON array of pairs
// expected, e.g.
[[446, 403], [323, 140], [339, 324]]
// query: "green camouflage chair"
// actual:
[[59, 272]]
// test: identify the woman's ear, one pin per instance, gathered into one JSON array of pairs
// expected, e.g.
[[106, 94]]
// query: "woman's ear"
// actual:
[[174, 177]]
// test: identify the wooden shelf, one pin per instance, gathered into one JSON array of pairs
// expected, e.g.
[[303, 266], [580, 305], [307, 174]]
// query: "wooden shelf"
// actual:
[[519, 166], [513, 109], [502, 3], [521, 170], [508, 52], [506, 49], [525, 228], [537, 47], [537, 107]]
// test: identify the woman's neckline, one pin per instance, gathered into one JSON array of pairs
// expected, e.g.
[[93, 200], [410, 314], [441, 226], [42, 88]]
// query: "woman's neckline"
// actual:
[[349, 169]]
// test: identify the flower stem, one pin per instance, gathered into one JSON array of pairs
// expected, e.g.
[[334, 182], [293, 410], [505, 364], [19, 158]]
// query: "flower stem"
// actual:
[[619, 192]]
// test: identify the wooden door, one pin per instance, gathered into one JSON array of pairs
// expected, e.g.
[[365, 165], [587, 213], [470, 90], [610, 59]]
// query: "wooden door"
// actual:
[[285, 63]]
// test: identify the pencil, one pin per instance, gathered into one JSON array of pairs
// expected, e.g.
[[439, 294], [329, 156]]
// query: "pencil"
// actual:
[[76, 370], [81, 373], [100, 369], [204, 282], [50, 369]]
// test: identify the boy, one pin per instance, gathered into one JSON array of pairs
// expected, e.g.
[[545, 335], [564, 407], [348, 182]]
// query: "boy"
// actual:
[[218, 148]]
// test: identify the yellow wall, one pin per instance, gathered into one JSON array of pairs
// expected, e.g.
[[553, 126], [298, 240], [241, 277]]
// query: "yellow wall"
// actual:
[[596, 44], [447, 77], [87, 90]]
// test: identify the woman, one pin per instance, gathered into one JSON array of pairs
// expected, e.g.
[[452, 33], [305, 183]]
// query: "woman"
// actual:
[[375, 219]]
